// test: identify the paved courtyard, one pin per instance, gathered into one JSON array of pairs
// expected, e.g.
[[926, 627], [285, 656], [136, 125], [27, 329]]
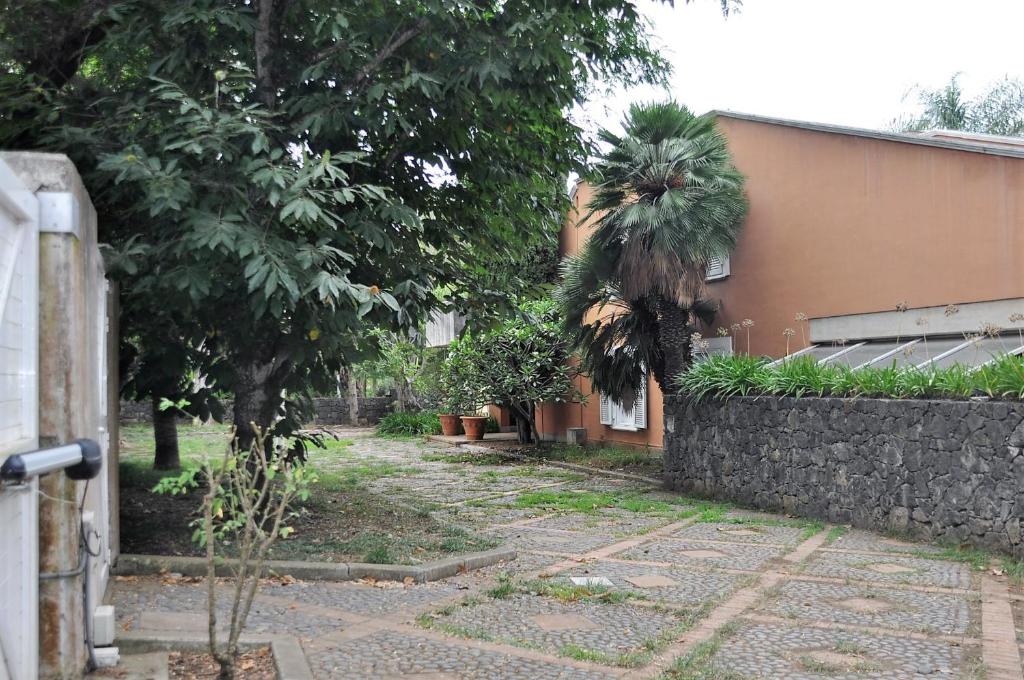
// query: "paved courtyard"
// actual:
[[616, 578]]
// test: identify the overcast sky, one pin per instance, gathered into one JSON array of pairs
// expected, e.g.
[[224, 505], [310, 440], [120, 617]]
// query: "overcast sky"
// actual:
[[848, 62]]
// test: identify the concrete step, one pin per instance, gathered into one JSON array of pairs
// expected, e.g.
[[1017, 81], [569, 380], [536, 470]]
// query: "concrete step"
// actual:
[[149, 666]]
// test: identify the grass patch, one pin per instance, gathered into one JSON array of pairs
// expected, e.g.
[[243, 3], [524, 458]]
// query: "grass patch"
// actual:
[[716, 513], [583, 654], [504, 590], [645, 461], [624, 660], [589, 502], [847, 647], [978, 559], [529, 471], [698, 664], [341, 521], [566, 592], [1014, 568], [467, 458], [835, 533], [353, 475]]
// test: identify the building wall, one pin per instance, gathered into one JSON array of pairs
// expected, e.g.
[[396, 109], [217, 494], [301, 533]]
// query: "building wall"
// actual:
[[847, 225], [841, 224]]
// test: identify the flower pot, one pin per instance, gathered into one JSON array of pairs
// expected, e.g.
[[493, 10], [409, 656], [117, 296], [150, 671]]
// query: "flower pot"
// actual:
[[450, 425], [474, 427]]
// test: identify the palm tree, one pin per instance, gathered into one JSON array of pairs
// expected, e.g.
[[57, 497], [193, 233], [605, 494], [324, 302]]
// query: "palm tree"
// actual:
[[668, 200]]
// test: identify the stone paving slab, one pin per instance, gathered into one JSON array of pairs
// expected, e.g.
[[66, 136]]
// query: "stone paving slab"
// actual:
[[527, 562], [615, 523], [549, 624], [803, 653], [566, 543], [741, 533], [183, 607], [797, 618], [672, 586], [855, 539], [486, 517], [891, 569], [388, 655], [939, 613], [692, 553], [367, 600]]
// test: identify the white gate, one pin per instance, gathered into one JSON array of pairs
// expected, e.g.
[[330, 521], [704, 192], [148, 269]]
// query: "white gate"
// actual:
[[44, 208], [19, 404]]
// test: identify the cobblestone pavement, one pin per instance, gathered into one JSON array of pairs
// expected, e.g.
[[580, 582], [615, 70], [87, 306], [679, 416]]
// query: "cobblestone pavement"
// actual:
[[613, 580]]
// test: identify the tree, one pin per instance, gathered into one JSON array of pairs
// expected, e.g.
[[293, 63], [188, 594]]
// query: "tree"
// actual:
[[398, 359], [524, 362], [997, 111], [285, 173], [246, 505], [667, 200]]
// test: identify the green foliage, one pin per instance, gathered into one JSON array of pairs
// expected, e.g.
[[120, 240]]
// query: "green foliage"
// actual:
[[409, 423], [667, 200], [461, 382], [398, 360], [274, 178], [523, 362], [741, 375], [245, 492], [997, 111]]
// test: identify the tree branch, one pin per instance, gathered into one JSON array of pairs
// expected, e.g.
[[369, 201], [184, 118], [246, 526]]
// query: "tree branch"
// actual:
[[394, 43]]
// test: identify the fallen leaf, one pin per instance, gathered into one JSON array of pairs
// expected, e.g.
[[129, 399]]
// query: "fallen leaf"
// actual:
[[408, 580]]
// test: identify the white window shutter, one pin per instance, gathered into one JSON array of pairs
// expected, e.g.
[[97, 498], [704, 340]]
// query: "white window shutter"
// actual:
[[718, 267], [606, 410], [640, 406]]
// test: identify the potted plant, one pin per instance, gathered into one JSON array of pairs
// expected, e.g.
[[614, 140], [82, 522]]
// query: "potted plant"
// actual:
[[451, 385], [474, 387], [463, 387], [450, 418]]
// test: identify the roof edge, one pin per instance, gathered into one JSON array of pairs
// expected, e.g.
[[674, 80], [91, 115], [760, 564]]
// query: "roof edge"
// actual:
[[898, 137]]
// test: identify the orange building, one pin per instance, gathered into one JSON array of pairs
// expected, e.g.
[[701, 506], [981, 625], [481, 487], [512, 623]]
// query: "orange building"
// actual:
[[845, 226]]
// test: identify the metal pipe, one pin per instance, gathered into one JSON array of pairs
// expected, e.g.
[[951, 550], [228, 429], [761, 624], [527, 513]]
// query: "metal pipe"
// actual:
[[82, 459]]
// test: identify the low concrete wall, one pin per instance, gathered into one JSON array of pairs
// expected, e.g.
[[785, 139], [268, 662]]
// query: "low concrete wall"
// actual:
[[329, 410], [940, 470]]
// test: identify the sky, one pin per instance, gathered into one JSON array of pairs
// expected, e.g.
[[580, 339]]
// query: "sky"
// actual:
[[846, 62]]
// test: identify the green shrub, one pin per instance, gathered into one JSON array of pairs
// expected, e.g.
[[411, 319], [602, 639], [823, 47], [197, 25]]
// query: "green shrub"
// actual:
[[742, 375], [409, 423]]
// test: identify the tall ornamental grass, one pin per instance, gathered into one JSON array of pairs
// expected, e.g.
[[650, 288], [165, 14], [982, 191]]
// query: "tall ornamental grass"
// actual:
[[742, 375]]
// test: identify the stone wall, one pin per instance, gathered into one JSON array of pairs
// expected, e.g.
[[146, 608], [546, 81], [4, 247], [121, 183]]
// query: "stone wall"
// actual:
[[949, 471], [329, 410]]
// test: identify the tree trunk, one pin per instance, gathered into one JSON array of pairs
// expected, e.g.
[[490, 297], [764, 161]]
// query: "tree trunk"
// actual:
[[523, 429], [353, 400], [674, 338], [526, 425], [165, 437], [256, 403], [532, 410]]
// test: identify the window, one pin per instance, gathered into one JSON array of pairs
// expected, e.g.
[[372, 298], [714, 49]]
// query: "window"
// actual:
[[718, 268], [618, 418], [721, 346]]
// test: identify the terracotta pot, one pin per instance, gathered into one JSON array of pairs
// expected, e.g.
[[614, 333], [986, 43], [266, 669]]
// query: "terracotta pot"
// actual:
[[474, 427], [450, 425]]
